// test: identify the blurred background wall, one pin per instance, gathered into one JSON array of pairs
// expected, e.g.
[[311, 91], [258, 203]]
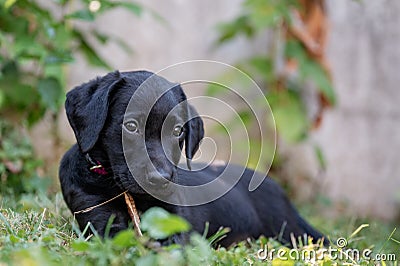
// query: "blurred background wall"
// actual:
[[360, 136]]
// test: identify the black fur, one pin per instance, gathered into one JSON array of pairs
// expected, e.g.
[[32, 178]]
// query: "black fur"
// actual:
[[96, 113]]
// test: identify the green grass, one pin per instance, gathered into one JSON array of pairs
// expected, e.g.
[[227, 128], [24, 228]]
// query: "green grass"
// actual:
[[36, 230]]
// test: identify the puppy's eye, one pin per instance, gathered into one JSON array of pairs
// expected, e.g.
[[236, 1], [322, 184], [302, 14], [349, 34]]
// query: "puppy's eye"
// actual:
[[178, 131], [131, 126]]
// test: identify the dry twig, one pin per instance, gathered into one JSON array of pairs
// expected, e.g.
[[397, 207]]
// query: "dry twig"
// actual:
[[130, 203]]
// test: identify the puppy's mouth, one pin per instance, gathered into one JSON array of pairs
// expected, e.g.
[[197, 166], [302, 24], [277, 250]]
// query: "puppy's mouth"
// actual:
[[146, 186], [158, 186]]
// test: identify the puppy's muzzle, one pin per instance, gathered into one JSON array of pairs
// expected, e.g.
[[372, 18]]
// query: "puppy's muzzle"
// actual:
[[158, 179]]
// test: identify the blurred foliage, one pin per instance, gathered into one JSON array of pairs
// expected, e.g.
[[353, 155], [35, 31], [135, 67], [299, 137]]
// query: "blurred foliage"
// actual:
[[273, 70], [160, 224], [18, 164], [37, 41]]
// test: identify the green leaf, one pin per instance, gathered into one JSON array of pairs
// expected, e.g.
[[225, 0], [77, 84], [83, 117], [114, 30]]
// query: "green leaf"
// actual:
[[2, 98], [9, 3], [51, 93], [320, 157], [62, 38], [294, 49], [102, 38], [26, 46], [17, 26], [214, 89], [290, 115], [316, 73], [263, 14], [161, 224], [43, 14], [129, 6], [241, 25], [34, 115], [84, 14], [134, 8], [80, 245], [124, 45], [269, 13], [59, 57], [56, 71], [246, 117], [309, 69], [264, 66], [14, 239], [199, 252], [16, 94], [125, 239], [149, 260], [89, 52]]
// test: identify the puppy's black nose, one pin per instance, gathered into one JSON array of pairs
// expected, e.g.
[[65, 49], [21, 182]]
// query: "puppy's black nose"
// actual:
[[159, 179]]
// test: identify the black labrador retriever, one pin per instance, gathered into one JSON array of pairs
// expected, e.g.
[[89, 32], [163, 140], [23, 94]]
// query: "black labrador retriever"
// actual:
[[95, 169]]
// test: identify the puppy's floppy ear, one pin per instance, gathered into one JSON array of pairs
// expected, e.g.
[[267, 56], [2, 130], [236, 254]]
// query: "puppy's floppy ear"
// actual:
[[87, 106], [194, 134]]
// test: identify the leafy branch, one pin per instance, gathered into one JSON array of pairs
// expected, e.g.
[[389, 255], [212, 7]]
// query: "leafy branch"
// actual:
[[37, 42]]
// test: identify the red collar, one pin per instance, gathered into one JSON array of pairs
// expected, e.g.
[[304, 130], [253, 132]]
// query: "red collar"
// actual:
[[96, 167]]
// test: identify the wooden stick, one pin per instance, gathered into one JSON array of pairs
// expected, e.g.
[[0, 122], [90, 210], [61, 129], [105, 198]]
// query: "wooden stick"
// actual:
[[130, 203]]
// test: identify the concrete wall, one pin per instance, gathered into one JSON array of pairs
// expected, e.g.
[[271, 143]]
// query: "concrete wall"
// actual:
[[360, 137]]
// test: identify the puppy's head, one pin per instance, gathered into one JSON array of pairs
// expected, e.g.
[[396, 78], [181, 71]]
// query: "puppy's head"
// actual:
[[152, 127]]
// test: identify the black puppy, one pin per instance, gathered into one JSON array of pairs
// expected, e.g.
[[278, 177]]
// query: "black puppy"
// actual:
[[95, 169]]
